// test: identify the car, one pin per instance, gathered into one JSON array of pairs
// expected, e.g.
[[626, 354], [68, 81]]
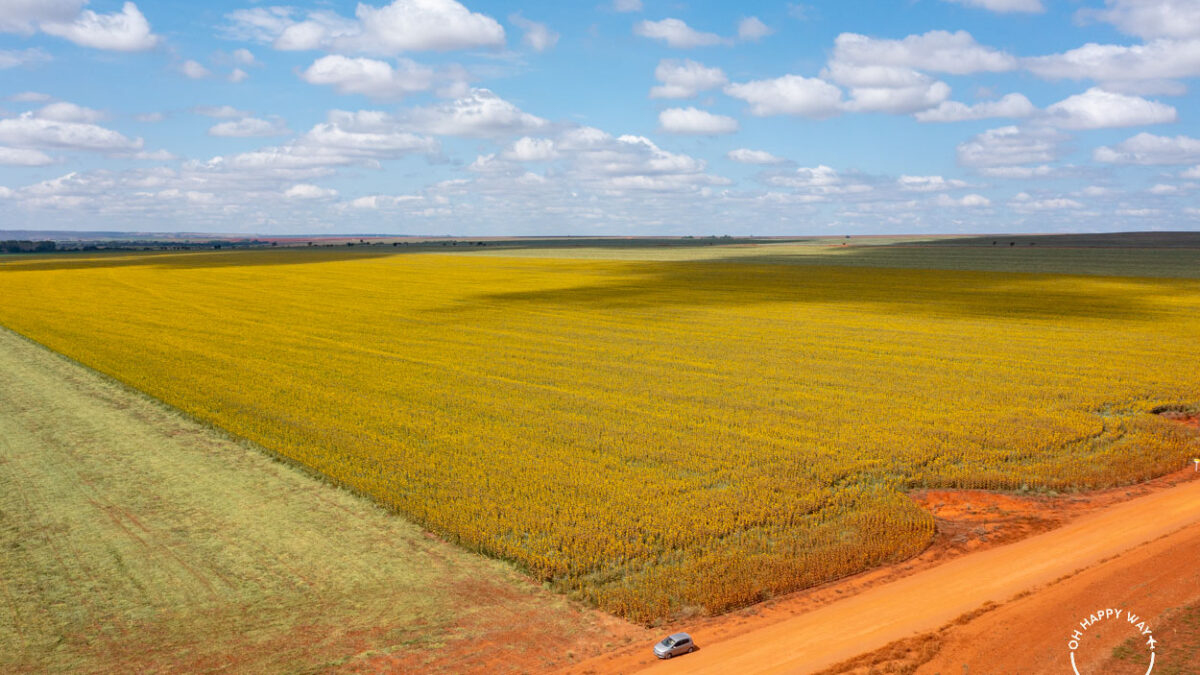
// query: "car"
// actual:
[[673, 645]]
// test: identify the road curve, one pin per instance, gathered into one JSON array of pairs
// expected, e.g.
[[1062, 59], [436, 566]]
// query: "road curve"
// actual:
[[928, 600]]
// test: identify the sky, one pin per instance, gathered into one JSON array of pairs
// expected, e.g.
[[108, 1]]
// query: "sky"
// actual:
[[614, 117]]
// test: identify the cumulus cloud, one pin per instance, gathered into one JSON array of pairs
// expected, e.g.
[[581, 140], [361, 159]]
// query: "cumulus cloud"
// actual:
[[1012, 105], [528, 149], [1151, 18], [538, 36], [695, 121], [402, 26], [376, 79], [194, 70], [685, 79], [309, 191], [1004, 6], [885, 75], [25, 57], [751, 29], [124, 31], [237, 75], [937, 51], [244, 57], [30, 130], [789, 95], [23, 16], [219, 111], [967, 201], [928, 183], [480, 113], [64, 111], [1099, 109], [1147, 148], [747, 156], [677, 34], [1023, 201], [1150, 68], [627, 5], [24, 157], [361, 138], [1009, 146], [250, 127]]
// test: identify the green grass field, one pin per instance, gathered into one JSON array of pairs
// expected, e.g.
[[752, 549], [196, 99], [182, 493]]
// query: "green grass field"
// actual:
[[135, 540]]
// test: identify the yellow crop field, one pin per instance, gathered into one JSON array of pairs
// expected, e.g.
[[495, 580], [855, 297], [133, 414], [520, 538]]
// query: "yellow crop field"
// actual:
[[654, 436]]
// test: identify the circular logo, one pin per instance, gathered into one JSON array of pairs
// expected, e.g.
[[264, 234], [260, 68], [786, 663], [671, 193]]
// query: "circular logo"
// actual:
[[1137, 625]]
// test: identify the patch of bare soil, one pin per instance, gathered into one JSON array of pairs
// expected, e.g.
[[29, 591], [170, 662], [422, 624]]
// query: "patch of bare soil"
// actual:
[[968, 521]]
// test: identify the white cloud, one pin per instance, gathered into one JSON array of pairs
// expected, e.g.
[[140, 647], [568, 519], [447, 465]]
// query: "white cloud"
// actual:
[[789, 95], [747, 156], [1010, 145], [752, 29], [22, 16], [244, 57], [627, 5], [677, 34], [219, 111], [30, 97], [30, 131], [404, 25], [25, 57], [250, 127], [1144, 69], [884, 75], [150, 117], [308, 191], [372, 78], [1163, 189], [1151, 18], [923, 94], [1023, 201], [1004, 6], [928, 183], [69, 112], [1147, 148], [538, 36], [969, 201], [1192, 173], [1017, 172], [1099, 109], [937, 50], [481, 113], [347, 138], [24, 157], [194, 70], [528, 149], [685, 79], [695, 121], [1012, 105], [126, 31], [237, 75], [383, 201]]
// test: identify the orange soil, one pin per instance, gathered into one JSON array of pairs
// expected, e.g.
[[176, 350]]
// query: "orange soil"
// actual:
[[1031, 634], [968, 522]]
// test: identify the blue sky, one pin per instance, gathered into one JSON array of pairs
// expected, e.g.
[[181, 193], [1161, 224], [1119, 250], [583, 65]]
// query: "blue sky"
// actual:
[[616, 117]]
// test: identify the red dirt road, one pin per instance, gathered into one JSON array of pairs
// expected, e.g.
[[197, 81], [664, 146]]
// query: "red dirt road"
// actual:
[[932, 598]]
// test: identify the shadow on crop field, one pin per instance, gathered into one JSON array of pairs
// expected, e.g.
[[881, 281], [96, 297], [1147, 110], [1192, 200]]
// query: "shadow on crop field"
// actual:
[[738, 281]]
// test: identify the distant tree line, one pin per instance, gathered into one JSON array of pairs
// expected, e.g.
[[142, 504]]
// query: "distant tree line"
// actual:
[[24, 246]]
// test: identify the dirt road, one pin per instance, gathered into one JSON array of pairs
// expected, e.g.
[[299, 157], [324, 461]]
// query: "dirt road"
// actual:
[[928, 600]]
